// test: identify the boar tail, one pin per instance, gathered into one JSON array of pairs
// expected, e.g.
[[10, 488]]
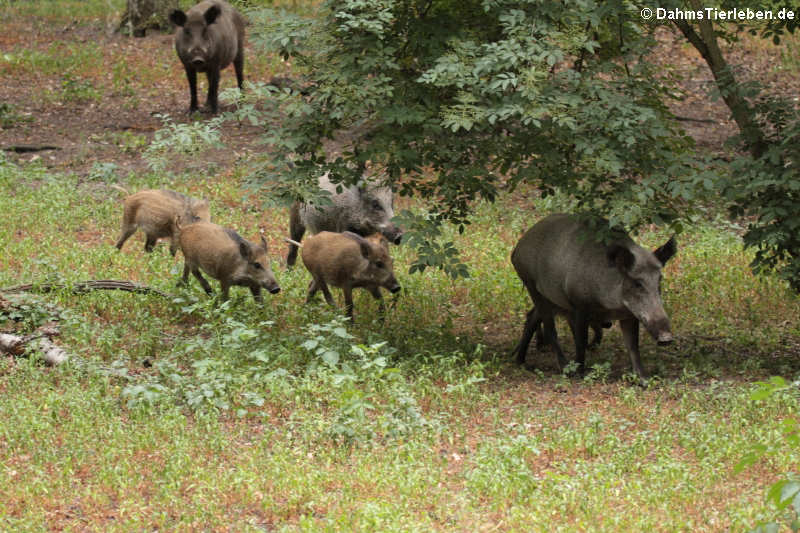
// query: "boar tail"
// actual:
[[114, 186]]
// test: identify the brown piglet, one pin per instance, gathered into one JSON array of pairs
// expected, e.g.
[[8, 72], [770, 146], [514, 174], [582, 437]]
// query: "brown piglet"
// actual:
[[154, 212], [224, 255], [347, 260]]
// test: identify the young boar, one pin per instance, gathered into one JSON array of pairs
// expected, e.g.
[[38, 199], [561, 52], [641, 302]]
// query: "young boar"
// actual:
[[153, 211], [362, 209], [210, 36], [347, 260], [224, 255], [567, 272]]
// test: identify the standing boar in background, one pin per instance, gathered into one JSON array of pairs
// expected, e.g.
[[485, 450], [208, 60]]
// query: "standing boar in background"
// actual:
[[363, 209], [210, 36], [154, 212], [568, 272], [224, 255], [347, 260]]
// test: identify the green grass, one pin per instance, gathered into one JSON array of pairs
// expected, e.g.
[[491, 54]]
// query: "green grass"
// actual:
[[249, 417]]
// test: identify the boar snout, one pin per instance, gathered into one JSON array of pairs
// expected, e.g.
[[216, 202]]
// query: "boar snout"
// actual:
[[392, 233], [395, 288], [274, 290], [664, 339]]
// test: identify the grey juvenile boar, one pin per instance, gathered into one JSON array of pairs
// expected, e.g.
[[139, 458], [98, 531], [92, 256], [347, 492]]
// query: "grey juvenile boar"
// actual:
[[567, 272], [210, 37], [224, 255], [154, 212], [347, 260], [363, 209]]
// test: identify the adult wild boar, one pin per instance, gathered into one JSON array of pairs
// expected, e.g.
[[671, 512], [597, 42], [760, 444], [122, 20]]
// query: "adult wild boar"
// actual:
[[363, 209], [210, 37], [224, 255], [154, 212], [348, 261], [567, 271]]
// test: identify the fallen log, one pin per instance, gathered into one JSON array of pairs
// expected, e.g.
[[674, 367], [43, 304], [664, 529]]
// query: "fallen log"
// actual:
[[83, 287], [52, 354]]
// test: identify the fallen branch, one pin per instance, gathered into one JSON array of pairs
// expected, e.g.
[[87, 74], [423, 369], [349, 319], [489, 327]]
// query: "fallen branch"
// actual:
[[52, 354], [86, 286], [26, 148]]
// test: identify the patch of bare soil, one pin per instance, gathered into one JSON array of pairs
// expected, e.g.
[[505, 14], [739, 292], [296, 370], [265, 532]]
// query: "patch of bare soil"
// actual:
[[107, 111]]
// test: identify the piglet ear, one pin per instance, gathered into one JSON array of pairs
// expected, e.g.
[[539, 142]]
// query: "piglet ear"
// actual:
[[619, 256], [244, 250], [178, 17], [665, 252], [263, 240], [362, 242], [211, 14]]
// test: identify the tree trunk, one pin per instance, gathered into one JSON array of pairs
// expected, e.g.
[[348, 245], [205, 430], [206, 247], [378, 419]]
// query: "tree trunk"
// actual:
[[143, 15], [744, 116]]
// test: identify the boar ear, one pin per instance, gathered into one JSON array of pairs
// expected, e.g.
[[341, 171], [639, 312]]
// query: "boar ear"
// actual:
[[665, 252], [619, 256], [211, 14], [263, 240], [362, 242], [178, 17], [244, 250]]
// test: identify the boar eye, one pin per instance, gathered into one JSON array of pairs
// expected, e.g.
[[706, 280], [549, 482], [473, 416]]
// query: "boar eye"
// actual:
[[258, 266], [379, 264], [376, 205]]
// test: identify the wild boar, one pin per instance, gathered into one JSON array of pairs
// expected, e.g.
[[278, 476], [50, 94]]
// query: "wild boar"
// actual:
[[153, 211], [348, 260], [210, 36], [363, 209], [567, 271], [224, 255]]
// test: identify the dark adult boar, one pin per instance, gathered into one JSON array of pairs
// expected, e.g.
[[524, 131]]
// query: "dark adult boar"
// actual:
[[210, 37], [224, 255], [567, 272], [347, 260], [154, 212], [363, 209]]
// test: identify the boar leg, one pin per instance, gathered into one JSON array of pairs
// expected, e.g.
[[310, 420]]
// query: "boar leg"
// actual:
[[348, 300], [238, 66], [150, 243], [184, 281], [203, 282], [225, 289], [256, 291], [532, 323], [597, 329], [376, 293], [630, 335], [551, 336], [127, 231], [296, 230], [316, 285], [580, 333], [191, 76], [213, 88]]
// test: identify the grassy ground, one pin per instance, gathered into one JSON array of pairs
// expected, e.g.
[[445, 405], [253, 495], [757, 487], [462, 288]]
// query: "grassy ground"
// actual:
[[178, 414]]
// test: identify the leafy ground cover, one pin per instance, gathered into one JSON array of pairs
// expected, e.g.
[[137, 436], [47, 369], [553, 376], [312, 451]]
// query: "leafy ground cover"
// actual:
[[179, 414]]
